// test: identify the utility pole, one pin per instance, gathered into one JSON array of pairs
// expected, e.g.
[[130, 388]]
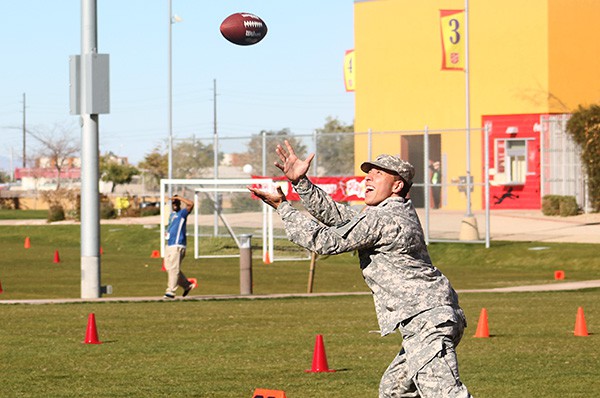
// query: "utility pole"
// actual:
[[24, 131], [215, 133], [90, 203], [89, 90], [468, 110], [216, 157], [170, 95]]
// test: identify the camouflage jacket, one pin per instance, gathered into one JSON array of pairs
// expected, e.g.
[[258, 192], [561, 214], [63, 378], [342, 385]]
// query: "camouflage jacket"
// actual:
[[393, 256]]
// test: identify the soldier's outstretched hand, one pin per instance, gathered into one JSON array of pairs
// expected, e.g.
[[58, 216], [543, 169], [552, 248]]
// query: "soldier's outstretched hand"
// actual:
[[273, 199], [293, 167]]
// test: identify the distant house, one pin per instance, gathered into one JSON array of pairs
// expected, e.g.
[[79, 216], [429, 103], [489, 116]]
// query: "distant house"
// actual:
[[45, 175]]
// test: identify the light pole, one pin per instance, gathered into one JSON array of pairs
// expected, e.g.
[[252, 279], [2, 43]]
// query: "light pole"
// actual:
[[172, 19], [24, 130]]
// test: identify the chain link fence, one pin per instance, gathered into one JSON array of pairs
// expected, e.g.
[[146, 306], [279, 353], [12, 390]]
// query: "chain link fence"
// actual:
[[446, 187]]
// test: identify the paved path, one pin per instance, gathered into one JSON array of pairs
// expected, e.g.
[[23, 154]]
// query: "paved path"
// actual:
[[550, 287], [529, 288]]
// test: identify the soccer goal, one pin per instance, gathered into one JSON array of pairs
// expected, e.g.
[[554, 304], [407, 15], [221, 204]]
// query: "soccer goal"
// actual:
[[223, 211]]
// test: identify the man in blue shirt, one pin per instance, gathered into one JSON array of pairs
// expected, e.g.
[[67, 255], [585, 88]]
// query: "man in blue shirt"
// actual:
[[175, 248]]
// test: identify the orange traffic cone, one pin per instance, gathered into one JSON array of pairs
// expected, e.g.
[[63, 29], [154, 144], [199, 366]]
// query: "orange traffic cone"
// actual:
[[27, 244], [155, 254], [262, 393], [319, 363], [580, 326], [56, 257], [1, 287], [91, 334], [163, 269], [101, 251], [559, 275], [482, 325], [267, 259]]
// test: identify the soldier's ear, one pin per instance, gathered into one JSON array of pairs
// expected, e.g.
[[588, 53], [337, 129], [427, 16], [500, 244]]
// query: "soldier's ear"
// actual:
[[398, 185]]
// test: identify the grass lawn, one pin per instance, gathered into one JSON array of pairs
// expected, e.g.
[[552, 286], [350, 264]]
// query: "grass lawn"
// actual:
[[227, 348], [6, 214]]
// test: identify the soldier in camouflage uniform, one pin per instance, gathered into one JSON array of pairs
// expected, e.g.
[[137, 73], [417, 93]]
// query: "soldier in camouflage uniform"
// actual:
[[409, 293]]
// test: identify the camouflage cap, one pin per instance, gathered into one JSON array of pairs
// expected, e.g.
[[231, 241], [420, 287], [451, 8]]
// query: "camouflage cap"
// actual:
[[393, 164]]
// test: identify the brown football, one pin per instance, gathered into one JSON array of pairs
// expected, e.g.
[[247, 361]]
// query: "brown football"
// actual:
[[243, 28]]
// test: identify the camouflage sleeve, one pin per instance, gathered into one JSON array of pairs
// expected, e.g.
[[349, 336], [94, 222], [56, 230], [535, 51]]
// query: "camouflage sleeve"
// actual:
[[320, 205], [363, 230]]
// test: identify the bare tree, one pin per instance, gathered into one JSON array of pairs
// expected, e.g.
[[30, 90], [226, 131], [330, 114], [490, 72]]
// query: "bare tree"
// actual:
[[58, 145]]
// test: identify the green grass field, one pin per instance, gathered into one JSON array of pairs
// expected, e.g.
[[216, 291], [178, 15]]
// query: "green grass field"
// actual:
[[227, 348], [7, 214]]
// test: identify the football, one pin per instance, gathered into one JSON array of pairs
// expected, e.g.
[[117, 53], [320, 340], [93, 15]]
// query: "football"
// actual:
[[243, 28]]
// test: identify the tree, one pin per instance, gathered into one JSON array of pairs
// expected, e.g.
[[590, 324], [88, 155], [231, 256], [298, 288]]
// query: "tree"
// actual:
[[58, 147], [156, 163], [112, 169], [335, 148], [4, 177], [584, 127], [254, 155], [191, 158]]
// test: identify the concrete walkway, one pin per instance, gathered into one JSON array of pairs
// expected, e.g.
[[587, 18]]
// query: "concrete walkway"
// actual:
[[551, 287]]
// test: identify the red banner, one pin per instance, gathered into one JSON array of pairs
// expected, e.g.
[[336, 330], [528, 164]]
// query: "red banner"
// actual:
[[341, 189]]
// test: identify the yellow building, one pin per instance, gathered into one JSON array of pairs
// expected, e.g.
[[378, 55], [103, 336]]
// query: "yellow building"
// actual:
[[534, 57]]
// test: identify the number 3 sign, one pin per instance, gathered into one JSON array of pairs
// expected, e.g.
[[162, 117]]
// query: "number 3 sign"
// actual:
[[453, 48]]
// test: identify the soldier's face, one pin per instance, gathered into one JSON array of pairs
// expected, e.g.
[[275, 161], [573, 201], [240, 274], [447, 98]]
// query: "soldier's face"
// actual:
[[380, 185]]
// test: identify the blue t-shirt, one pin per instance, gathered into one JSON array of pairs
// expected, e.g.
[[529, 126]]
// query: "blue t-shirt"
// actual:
[[176, 228]]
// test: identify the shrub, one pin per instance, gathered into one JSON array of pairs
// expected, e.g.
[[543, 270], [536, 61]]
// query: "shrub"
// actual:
[[131, 212], [9, 203], [551, 205], [56, 213], [149, 211], [107, 210], [568, 206], [68, 200], [584, 127]]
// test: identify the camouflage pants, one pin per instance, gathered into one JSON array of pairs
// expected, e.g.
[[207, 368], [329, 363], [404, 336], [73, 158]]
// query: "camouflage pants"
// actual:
[[426, 366]]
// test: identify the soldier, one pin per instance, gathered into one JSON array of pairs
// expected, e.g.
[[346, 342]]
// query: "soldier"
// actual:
[[409, 293]]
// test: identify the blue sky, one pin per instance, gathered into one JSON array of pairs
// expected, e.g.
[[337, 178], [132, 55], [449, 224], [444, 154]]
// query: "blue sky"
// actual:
[[292, 79]]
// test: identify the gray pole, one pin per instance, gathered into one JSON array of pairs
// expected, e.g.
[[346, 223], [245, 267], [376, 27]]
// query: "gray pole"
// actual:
[[486, 141], [90, 220], [316, 158], [245, 244], [426, 180], [216, 136], [216, 158], [264, 153], [468, 108], [170, 155], [24, 130]]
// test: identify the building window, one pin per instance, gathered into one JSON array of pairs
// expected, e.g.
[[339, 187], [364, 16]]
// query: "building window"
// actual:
[[511, 160]]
